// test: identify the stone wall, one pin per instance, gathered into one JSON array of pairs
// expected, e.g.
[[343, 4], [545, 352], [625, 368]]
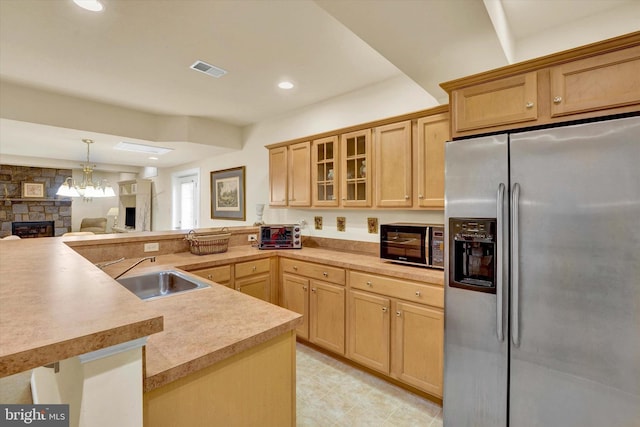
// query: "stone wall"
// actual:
[[50, 208]]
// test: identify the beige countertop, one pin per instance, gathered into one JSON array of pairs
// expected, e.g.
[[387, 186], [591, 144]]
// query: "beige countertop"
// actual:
[[54, 304]]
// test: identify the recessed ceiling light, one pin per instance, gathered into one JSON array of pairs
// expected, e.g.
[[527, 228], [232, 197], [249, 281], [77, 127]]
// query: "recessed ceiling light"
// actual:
[[153, 158], [92, 5], [141, 148], [285, 85]]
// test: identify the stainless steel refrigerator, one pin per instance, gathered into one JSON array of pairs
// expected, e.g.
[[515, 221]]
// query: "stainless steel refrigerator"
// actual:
[[542, 285]]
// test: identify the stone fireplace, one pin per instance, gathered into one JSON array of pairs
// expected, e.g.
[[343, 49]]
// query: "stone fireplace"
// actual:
[[50, 209]]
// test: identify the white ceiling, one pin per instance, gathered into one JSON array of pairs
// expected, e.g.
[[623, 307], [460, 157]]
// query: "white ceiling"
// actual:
[[136, 55]]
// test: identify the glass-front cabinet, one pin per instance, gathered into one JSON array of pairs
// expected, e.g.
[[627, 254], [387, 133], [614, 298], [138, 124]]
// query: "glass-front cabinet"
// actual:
[[355, 179], [325, 171]]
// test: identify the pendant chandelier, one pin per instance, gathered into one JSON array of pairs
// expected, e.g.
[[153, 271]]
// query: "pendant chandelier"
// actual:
[[87, 189]]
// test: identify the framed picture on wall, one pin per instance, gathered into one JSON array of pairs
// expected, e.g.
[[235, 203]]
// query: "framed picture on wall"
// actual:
[[228, 194], [32, 190]]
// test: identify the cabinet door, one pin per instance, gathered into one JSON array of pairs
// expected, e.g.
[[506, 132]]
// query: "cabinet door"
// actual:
[[295, 297], [327, 316], [258, 286], [325, 172], [417, 347], [604, 81], [369, 329], [299, 174], [355, 151], [501, 102], [433, 133], [393, 167], [278, 176]]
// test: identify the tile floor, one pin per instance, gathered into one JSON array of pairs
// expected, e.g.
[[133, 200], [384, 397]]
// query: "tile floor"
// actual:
[[332, 393]]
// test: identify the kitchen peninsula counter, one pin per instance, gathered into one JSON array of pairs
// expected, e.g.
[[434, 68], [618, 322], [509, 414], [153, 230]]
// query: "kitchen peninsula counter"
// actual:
[[54, 305]]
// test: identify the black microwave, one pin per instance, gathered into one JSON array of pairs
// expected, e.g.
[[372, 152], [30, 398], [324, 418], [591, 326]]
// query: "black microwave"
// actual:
[[413, 244]]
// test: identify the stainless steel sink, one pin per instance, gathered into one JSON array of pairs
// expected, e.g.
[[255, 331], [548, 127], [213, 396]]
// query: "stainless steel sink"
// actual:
[[160, 284]]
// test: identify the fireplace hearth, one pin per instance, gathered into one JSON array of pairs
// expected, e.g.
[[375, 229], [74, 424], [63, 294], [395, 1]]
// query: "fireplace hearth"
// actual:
[[31, 229]]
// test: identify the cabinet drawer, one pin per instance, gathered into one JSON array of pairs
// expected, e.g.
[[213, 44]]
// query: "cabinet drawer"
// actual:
[[314, 271], [248, 268], [403, 289], [221, 274]]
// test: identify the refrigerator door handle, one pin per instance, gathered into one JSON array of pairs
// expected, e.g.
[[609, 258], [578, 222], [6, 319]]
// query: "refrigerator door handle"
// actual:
[[515, 274], [499, 257]]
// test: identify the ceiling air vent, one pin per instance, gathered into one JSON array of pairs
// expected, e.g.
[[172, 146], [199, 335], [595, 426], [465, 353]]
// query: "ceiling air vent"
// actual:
[[212, 70]]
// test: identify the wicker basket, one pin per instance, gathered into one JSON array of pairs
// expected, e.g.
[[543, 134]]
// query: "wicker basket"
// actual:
[[208, 242]]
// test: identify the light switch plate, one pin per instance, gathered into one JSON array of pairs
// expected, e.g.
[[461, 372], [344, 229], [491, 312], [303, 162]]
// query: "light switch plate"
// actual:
[[151, 247]]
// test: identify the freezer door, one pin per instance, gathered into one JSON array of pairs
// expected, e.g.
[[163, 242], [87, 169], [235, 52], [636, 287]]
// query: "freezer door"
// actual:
[[576, 352], [475, 372]]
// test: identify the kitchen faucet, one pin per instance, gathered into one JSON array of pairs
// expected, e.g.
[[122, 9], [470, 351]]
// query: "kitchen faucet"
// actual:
[[101, 266]]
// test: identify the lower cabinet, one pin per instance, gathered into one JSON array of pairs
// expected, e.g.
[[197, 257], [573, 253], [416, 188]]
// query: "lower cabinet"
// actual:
[[317, 292], [254, 278], [251, 277], [220, 274], [402, 338]]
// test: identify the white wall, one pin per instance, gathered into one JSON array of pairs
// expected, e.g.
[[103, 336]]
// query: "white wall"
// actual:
[[392, 97]]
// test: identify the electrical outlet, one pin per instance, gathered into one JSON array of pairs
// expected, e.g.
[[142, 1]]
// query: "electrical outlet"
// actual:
[[252, 237], [151, 247]]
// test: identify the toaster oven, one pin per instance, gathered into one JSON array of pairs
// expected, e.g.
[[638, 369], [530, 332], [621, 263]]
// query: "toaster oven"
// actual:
[[280, 236]]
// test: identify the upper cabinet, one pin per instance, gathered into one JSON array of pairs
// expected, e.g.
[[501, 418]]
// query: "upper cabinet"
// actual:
[[278, 191], [391, 163], [355, 180], [325, 172], [431, 135], [393, 168], [289, 176], [591, 81]]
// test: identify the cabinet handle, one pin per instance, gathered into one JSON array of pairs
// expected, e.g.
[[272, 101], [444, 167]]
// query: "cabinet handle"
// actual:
[[344, 198], [295, 267], [325, 274], [313, 289], [398, 313], [529, 105], [369, 284], [254, 268], [420, 196], [304, 288], [384, 309], [417, 293], [406, 197], [209, 277], [557, 100]]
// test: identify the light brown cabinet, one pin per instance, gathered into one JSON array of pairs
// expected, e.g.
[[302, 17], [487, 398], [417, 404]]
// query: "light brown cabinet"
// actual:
[[355, 179], [289, 175], [417, 356], [393, 166], [325, 172], [220, 274], [397, 336], [432, 133], [591, 81], [605, 81], [278, 175], [299, 182], [254, 278], [501, 102], [322, 304]]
